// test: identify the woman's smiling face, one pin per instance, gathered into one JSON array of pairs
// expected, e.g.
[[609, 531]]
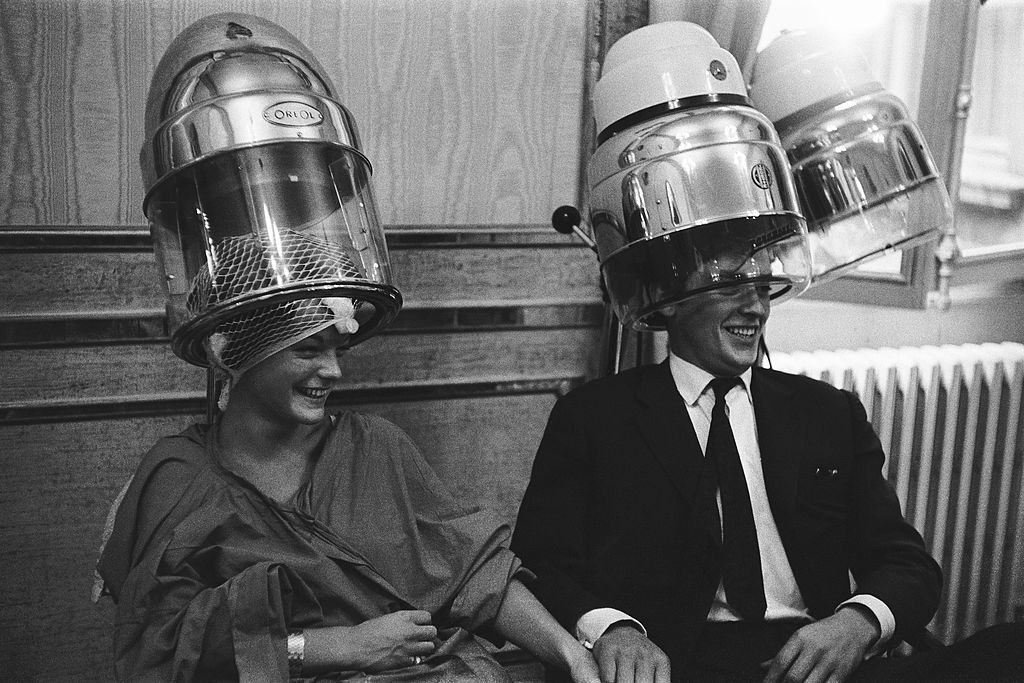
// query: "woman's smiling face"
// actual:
[[292, 385]]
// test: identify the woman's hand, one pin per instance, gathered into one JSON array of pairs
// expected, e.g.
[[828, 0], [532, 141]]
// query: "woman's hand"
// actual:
[[583, 668], [391, 641], [394, 640]]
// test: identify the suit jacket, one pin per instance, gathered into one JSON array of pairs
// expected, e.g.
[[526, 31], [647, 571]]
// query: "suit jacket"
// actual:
[[604, 519]]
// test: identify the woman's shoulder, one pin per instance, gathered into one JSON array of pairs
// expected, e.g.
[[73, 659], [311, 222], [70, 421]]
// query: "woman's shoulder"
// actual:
[[370, 437], [170, 467], [183, 451], [165, 477], [366, 424]]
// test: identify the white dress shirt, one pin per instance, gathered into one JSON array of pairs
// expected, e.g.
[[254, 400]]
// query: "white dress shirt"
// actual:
[[782, 595]]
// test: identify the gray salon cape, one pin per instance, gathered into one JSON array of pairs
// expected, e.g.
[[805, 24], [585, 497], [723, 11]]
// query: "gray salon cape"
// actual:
[[209, 575]]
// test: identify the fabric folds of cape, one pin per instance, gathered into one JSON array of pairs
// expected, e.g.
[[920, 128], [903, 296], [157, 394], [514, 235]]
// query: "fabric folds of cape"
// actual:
[[209, 575]]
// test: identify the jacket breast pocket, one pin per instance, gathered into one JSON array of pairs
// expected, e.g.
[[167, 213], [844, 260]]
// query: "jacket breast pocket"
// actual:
[[823, 493]]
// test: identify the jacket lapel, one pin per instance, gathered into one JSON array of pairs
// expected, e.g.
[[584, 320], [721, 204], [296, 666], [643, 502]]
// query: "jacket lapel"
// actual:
[[666, 427], [780, 436]]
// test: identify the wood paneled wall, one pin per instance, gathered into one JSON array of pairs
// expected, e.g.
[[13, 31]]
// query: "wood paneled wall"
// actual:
[[87, 390], [470, 112]]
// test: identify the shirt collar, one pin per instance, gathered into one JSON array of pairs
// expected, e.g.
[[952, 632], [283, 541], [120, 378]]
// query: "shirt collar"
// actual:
[[691, 381]]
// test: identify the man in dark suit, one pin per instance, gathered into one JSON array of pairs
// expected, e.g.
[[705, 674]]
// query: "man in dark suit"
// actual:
[[641, 544]]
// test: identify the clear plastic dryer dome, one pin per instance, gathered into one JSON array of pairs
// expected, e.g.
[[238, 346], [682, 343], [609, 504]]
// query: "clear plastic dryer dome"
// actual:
[[257, 191]]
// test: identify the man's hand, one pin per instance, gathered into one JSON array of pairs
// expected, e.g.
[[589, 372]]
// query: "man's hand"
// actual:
[[625, 655], [827, 650]]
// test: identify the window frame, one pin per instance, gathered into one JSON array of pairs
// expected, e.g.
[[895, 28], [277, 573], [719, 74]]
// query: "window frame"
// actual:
[[926, 271]]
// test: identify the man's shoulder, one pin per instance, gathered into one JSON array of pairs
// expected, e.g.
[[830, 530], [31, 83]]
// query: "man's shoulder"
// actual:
[[805, 388], [620, 384], [625, 384]]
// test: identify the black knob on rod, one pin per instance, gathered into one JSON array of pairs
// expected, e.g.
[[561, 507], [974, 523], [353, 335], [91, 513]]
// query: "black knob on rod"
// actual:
[[567, 219]]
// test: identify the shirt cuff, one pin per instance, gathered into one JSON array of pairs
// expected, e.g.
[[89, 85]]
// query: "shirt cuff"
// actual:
[[886, 621], [594, 623]]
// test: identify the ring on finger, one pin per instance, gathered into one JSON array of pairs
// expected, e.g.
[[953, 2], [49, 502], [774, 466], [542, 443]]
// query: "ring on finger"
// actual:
[[417, 660]]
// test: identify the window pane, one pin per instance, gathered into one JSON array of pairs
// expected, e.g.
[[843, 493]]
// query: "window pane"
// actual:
[[990, 211], [890, 33]]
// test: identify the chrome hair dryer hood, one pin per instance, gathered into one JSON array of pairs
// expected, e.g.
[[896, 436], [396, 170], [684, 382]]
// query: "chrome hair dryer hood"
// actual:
[[690, 189], [866, 180], [257, 192]]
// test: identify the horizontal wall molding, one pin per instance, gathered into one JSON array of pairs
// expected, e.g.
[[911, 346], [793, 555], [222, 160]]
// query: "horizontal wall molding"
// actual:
[[194, 402], [116, 277], [490, 311], [62, 238], [57, 329], [60, 329], [73, 238]]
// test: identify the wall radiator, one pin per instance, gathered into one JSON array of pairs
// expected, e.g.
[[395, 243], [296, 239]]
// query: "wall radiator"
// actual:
[[950, 421]]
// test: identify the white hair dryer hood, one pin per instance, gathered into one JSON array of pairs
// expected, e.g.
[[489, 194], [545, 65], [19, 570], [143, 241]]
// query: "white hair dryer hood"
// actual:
[[661, 67], [690, 189]]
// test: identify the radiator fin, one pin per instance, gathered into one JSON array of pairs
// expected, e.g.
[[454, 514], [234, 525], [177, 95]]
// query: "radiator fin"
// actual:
[[949, 418]]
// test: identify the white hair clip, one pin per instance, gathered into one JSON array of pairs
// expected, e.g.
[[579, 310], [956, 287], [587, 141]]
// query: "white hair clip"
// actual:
[[343, 308], [217, 343]]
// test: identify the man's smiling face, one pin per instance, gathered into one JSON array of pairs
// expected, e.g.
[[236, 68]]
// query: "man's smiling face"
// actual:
[[720, 330]]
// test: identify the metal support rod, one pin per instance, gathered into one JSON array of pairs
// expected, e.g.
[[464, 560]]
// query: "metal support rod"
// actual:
[[211, 396], [948, 251]]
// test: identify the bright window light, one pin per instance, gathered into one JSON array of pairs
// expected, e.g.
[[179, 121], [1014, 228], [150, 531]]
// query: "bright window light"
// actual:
[[850, 20]]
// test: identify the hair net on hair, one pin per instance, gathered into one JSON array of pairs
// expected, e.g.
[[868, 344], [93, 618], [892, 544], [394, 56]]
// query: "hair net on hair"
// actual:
[[240, 343]]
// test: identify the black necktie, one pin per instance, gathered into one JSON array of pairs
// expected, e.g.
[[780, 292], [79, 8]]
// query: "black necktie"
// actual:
[[741, 560]]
